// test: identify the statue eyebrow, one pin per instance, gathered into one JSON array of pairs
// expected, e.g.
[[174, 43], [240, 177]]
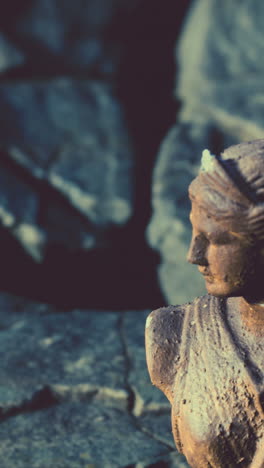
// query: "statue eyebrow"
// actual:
[[240, 236], [214, 235]]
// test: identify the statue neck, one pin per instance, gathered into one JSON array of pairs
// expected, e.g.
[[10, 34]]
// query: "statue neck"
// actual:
[[252, 315]]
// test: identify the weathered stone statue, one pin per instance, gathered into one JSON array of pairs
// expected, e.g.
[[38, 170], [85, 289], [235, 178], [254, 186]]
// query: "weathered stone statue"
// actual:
[[208, 356]]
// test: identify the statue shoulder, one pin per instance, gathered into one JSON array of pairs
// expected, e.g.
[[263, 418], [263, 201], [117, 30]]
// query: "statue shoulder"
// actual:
[[163, 337]]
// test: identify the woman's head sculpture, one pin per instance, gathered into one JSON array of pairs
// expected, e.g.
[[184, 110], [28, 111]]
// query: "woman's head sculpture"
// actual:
[[207, 356], [228, 220]]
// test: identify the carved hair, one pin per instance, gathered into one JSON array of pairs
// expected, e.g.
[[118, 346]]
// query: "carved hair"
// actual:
[[233, 187]]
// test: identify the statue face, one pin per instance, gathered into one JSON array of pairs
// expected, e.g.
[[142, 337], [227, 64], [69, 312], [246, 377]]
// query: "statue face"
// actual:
[[226, 259]]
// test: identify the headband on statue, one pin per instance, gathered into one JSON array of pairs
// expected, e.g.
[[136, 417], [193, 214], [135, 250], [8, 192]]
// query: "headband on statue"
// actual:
[[207, 161]]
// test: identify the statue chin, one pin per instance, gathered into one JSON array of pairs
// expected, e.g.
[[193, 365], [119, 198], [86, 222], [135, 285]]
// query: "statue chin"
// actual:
[[252, 291], [223, 289]]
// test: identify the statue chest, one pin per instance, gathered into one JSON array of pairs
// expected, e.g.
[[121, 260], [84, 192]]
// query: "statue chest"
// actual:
[[217, 428], [217, 410]]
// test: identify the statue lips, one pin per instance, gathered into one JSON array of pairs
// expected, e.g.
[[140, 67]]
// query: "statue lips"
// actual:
[[206, 273]]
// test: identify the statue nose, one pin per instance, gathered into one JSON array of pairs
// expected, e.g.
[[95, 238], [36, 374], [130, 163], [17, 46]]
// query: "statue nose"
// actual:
[[197, 251]]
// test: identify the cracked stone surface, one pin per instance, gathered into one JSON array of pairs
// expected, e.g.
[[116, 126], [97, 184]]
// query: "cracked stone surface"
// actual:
[[158, 423], [72, 343], [64, 140], [80, 434], [68, 384]]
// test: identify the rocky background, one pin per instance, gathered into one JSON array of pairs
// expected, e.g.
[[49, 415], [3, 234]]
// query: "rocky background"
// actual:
[[86, 92], [96, 154], [220, 86]]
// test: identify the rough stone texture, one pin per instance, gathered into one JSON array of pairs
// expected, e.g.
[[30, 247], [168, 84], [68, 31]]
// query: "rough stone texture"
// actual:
[[81, 434], [66, 140], [220, 84], [77, 35], [65, 393], [79, 361]]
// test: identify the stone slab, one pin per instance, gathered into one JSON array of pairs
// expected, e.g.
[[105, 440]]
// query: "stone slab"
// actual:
[[76, 353], [75, 392], [75, 435]]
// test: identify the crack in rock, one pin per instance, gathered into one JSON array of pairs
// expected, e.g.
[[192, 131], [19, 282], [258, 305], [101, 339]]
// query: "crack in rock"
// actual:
[[51, 395], [42, 399], [157, 438], [131, 393]]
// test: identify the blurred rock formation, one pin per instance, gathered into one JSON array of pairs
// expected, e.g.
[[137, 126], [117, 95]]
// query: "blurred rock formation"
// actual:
[[220, 86], [62, 138], [67, 136], [86, 97]]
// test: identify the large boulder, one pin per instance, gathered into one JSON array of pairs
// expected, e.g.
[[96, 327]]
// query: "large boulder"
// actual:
[[66, 163], [220, 84]]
